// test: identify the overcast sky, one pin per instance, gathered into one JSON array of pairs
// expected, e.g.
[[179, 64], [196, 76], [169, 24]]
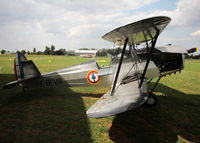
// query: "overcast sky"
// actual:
[[74, 24]]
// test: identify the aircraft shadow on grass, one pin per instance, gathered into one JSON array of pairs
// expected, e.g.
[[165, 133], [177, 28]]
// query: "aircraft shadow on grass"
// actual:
[[42, 115], [46, 115], [176, 116]]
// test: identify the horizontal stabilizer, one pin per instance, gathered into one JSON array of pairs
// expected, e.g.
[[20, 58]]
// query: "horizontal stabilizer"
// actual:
[[14, 83], [10, 84], [126, 97]]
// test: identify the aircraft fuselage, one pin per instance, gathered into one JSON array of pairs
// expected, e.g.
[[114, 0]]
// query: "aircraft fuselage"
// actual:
[[90, 74]]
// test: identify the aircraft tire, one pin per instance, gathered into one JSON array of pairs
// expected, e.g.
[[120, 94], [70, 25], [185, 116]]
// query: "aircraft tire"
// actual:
[[151, 101]]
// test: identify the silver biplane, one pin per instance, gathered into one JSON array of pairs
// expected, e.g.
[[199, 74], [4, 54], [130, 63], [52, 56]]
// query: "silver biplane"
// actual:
[[128, 77]]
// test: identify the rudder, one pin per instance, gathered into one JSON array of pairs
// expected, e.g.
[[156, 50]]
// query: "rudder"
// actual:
[[24, 68]]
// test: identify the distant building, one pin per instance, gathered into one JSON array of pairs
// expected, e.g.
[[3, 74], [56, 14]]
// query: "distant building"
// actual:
[[86, 53]]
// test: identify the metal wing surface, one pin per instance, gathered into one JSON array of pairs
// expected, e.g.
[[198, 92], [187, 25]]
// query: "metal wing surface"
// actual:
[[126, 97], [138, 32], [172, 49]]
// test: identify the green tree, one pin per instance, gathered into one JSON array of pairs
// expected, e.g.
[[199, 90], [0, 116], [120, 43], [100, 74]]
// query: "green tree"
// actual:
[[63, 51], [84, 49], [101, 53], [60, 52], [111, 52], [115, 51], [70, 53], [52, 49], [23, 52], [34, 50], [3, 51], [39, 52], [47, 50]]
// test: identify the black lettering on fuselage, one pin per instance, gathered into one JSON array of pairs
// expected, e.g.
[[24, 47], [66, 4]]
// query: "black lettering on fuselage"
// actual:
[[51, 82]]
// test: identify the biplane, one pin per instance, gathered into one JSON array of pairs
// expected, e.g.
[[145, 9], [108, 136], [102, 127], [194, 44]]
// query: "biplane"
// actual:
[[128, 76]]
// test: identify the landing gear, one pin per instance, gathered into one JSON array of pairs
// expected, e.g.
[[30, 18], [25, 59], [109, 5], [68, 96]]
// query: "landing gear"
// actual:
[[151, 101]]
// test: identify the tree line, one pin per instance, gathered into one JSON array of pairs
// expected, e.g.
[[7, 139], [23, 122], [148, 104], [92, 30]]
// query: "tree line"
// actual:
[[191, 56], [48, 51], [100, 53], [51, 51]]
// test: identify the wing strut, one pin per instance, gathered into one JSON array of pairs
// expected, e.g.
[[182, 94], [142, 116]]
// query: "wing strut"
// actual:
[[153, 42], [119, 67], [156, 83]]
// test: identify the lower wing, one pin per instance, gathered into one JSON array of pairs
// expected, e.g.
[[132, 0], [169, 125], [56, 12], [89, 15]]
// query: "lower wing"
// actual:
[[126, 97]]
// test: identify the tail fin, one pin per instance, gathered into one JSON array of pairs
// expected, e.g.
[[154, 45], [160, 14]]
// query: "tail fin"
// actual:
[[24, 68]]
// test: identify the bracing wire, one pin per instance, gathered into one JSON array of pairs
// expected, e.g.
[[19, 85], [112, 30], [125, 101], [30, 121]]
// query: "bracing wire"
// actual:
[[136, 68], [126, 75]]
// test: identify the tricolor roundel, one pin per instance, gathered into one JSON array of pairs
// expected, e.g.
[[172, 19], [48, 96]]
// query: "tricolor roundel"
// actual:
[[93, 77]]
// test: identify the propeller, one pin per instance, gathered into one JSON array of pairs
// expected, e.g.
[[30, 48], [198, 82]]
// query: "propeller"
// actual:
[[192, 50]]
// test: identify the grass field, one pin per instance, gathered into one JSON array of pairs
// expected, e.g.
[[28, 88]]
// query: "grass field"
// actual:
[[59, 114]]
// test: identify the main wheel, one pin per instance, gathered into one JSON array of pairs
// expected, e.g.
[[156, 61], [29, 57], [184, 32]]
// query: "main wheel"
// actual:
[[151, 101]]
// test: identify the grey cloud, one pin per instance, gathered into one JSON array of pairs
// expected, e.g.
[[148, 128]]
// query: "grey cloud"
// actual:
[[73, 24], [96, 6]]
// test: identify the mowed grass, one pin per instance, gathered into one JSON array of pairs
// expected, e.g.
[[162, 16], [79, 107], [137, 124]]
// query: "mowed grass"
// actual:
[[59, 114]]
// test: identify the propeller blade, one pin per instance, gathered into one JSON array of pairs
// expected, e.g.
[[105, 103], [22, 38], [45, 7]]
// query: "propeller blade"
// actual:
[[192, 50]]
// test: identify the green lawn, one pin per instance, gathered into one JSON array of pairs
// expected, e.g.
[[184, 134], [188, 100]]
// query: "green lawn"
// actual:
[[58, 114]]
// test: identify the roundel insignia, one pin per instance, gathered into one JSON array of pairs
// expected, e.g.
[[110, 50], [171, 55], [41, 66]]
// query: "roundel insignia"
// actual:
[[93, 77]]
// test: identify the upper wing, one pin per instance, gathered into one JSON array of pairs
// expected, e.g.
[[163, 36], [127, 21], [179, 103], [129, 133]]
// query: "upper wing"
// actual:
[[137, 32], [126, 97]]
